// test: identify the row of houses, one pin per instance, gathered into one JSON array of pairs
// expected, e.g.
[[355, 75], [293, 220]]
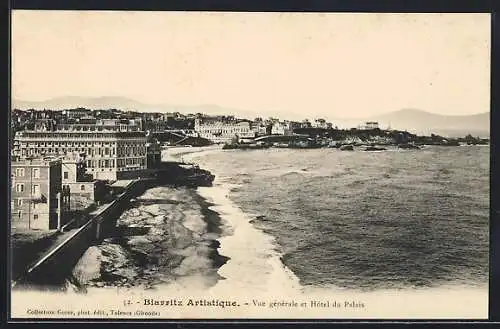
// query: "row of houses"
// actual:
[[224, 129], [217, 129]]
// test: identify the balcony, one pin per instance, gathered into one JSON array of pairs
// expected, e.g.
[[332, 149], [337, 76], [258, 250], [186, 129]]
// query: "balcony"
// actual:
[[132, 166], [36, 198]]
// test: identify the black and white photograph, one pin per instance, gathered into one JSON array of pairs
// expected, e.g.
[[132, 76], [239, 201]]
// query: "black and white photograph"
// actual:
[[249, 165]]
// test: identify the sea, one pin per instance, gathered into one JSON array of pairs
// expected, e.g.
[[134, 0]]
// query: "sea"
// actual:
[[309, 220]]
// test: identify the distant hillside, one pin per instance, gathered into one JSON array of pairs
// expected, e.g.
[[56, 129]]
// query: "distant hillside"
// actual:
[[425, 123]]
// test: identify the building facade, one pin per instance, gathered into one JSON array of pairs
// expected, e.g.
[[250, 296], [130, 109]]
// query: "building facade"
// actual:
[[110, 154], [153, 151], [279, 128], [284, 127], [305, 124], [218, 131], [260, 129], [320, 123], [156, 126], [369, 125], [93, 124], [84, 190], [38, 200], [76, 113]]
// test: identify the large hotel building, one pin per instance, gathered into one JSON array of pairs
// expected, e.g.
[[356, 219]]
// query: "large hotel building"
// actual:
[[114, 149], [223, 131]]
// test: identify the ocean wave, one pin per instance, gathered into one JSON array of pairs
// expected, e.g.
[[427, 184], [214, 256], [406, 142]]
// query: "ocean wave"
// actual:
[[399, 241], [292, 174]]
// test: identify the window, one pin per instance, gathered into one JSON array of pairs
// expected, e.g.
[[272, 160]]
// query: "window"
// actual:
[[35, 216], [36, 189], [19, 202], [19, 187], [19, 213], [36, 173], [82, 187], [35, 205], [65, 175], [19, 172]]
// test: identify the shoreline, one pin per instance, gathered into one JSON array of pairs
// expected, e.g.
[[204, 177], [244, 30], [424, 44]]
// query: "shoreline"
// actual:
[[158, 244], [227, 248], [211, 217], [177, 153], [250, 251], [215, 215], [180, 204]]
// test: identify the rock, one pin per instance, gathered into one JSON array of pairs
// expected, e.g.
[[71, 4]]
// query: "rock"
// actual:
[[347, 148]]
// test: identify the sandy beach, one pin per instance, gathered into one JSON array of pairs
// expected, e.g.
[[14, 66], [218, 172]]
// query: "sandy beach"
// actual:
[[186, 153]]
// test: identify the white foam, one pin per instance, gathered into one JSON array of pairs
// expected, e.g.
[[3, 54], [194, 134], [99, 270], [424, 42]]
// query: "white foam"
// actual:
[[254, 264]]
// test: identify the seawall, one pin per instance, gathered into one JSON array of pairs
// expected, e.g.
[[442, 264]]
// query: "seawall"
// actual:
[[56, 266]]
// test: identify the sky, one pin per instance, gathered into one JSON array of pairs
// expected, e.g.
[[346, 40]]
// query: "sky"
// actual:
[[315, 64]]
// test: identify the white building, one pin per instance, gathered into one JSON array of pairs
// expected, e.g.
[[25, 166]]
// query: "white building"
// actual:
[[281, 128], [259, 129], [76, 113], [219, 131], [320, 123], [305, 124], [369, 125]]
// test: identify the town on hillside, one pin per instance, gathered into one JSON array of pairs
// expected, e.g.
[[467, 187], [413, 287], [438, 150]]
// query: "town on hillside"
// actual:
[[93, 149], [71, 167]]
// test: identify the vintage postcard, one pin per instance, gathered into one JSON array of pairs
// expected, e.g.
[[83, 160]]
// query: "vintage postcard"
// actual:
[[209, 165]]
